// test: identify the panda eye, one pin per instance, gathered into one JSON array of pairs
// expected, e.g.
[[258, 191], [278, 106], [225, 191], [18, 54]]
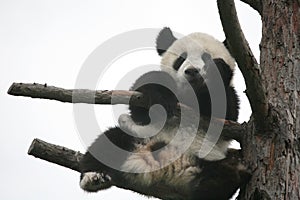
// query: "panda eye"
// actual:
[[179, 61], [206, 57]]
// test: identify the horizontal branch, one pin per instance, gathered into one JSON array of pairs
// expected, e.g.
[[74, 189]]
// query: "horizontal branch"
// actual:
[[255, 4], [239, 48], [234, 131], [43, 91], [70, 159], [55, 154]]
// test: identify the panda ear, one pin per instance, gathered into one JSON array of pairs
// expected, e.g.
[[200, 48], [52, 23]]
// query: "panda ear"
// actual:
[[164, 40]]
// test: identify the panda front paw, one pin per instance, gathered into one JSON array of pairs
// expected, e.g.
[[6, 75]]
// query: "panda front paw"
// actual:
[[125, 121], [128, 125], [94, 181]]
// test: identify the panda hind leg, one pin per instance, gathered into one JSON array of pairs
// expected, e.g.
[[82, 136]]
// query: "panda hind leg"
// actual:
[[94, 181]]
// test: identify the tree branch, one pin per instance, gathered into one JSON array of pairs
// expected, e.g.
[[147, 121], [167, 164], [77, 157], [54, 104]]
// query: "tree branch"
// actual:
[[255, 4], [66, 157], [231, 130], [55, 154], [70, 159], [239, 48], [43, 91]]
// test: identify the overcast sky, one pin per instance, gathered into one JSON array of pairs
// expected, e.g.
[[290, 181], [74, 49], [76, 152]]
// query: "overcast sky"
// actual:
[[48, 42]]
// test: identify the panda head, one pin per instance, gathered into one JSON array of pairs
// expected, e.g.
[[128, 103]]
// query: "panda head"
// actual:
[[190, 57]]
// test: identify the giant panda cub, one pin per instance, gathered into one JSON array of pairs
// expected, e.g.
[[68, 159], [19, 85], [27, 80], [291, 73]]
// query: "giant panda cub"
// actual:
[[162, 149], [204, 62]]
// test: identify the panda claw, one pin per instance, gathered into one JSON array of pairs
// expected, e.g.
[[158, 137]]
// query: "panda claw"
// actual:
[[107, 177]]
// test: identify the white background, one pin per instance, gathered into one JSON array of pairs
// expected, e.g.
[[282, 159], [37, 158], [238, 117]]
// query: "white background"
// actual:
[[47, 42]]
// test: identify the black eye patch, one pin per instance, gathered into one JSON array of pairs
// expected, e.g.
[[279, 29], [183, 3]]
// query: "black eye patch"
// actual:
[[206, 57], [179, 61]]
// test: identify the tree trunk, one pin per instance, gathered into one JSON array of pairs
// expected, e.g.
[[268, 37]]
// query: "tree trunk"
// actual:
[[274, 153]]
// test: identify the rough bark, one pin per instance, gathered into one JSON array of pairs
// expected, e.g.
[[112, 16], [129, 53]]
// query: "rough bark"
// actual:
[[43, 91], [273, 150], [274, 153], [70, 159], [239, 48], [55, 154], [231, 130]]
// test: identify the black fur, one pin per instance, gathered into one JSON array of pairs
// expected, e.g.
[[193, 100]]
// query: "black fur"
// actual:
[[232, 100], [198, 84], [215, 180], [178, 62], [219, 180], [164, 40], [159, 88], [101, 147]]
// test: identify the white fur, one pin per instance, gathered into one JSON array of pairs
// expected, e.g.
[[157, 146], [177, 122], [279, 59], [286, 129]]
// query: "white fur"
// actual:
[[174, 163], [88, 180], [130, 127], [183, 143], [194, 45], [93, 181]]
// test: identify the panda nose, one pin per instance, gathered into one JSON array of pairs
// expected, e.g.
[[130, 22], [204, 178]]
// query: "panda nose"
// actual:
[[191, 71]]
